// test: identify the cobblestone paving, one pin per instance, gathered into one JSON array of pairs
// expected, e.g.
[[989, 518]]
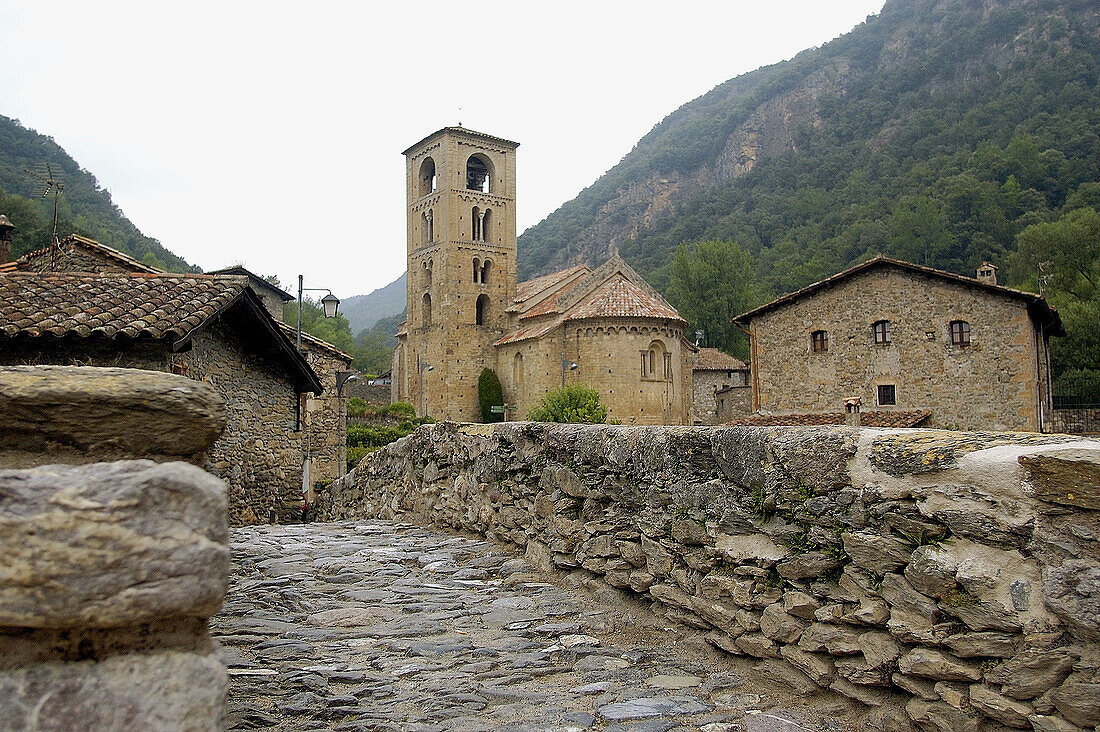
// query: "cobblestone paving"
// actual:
[[380, 626]]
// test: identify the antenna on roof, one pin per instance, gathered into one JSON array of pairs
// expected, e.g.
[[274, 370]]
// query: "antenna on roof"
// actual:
[[460, 116], [51, 179]]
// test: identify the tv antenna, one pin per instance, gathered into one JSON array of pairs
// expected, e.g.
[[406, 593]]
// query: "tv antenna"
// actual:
[[51, 179]]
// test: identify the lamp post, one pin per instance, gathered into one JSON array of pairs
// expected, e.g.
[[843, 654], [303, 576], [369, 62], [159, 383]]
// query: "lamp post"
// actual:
[[567, 364], [425, 367], [329, 302]]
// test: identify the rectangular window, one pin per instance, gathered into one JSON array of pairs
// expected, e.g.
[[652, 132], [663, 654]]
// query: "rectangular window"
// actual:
[[819, 341], [881, 329], [960, 333], [887, 395]]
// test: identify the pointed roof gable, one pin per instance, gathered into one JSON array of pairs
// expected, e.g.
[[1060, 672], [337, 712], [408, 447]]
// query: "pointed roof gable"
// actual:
[[618, 297]]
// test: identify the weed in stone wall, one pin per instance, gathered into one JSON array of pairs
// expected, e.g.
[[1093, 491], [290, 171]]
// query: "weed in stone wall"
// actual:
[[959, 598], [924, 537]]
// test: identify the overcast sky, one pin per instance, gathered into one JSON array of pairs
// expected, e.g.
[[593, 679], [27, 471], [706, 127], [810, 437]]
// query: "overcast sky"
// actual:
[[270, 134]]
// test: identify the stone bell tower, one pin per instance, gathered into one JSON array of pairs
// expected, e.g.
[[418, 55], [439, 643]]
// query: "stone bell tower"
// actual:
[[462, 265]]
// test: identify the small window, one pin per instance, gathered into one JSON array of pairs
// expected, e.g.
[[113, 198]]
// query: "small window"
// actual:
[[887, 395], [819, 341], [960, 333], [426, 311], [881, 329], [485, 272], [478, 173], [481, 310], [477, 270], [475, 223], [427, 177]]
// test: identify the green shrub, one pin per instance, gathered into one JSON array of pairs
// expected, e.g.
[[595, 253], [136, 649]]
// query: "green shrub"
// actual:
[[489, 394], [356, 407], [573, 403], [401, 409], [355, 454]]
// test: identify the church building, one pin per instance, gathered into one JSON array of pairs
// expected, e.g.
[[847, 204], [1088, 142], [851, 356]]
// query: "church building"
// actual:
[[606, 327]]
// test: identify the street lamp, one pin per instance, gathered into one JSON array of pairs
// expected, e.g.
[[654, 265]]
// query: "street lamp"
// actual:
[[329, 302], [567, 364], [425, 367]]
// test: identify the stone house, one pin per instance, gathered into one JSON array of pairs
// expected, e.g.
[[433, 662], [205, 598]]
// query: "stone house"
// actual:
[[720, 387], [324, 414], [466, 311], [212, 329], [900, 336]]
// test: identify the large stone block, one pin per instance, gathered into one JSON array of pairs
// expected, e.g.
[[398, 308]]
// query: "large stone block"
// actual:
[[111, 544], [161, 691], [106, 411], [1070, 476]]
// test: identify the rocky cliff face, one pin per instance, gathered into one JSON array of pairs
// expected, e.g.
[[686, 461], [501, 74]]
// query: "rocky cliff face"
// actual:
[[858, 92]]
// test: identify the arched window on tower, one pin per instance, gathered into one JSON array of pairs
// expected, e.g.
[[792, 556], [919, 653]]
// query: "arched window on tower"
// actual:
[[427, 177], [477, 270], [479, 171], [481, 310], [427, 274], [486, 230], [475, 224], [485, 272], [657, 362], [426, 311]]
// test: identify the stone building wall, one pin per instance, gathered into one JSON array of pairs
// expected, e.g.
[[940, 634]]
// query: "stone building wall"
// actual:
[[992, 384], [260, 453], [111, 569], [733, 403], [325, 430], [705, 386], [943, 579]]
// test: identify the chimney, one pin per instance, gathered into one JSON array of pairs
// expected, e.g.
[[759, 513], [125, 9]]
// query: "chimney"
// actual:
[[987, 273], [851, 411], [6, 228]]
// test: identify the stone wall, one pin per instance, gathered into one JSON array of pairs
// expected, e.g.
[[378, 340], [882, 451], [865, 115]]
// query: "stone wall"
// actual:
[[946, 580], [706, 384], [1076, 421], [997, 382], [111, 569], [733, 402], [325, 430]]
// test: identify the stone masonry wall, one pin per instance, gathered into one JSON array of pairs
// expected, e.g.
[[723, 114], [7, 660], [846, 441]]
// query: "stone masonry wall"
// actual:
[[111, 569], [948, 581], [993, 383], [704, 395], [325, 431]]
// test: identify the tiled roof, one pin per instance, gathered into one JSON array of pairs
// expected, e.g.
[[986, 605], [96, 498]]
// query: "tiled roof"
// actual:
[[125, 261], [870, 418], [530, 288], [1037, 306], [549, 306], [535, 331], [124, 305], [618, 297], [291, 332], [711, 359], [138, 305]]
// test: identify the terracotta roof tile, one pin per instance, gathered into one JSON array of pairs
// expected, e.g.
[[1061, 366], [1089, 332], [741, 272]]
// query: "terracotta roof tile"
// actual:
[[549, 306], [132, 306], [530, 288], [870, 418], [535, 331], [711, 359], [125, 261], [618, 297]]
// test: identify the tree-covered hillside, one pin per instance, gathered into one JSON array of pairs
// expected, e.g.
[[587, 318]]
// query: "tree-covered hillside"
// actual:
[[937, 131], [84, 207]]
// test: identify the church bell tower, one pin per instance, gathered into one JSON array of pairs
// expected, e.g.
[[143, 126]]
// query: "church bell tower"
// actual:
[[461, 208]]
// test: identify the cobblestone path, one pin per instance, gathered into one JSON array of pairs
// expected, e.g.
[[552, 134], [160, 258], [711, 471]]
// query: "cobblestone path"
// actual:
[[381, 626]]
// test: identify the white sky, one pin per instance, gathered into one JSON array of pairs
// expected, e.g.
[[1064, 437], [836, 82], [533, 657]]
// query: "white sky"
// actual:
[[270, 133]]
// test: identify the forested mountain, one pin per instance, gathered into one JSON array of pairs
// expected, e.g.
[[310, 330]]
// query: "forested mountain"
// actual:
[[84, 207], [937, 131], [363, 311]]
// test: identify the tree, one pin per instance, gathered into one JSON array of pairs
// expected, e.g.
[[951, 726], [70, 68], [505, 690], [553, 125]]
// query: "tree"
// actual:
[[572, 403], [489, 394], [711, 283], [336, 331]]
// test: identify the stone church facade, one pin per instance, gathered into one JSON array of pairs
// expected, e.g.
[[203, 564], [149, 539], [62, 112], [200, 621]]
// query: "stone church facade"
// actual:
[[606, 327]]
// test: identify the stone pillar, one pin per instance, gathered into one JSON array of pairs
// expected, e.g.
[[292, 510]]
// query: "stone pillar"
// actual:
[[110, 570]]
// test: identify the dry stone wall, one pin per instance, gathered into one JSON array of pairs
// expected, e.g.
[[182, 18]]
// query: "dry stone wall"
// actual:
[[947, 580], [110, 570]]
